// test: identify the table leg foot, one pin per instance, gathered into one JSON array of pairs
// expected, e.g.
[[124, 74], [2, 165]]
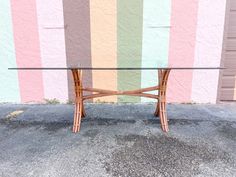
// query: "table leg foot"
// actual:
[[163, 117], [77, 117], [165, 128]]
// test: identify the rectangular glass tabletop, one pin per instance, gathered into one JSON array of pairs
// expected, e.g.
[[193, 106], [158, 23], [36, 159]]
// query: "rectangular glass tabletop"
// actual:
[[163, 73], [120, 68]]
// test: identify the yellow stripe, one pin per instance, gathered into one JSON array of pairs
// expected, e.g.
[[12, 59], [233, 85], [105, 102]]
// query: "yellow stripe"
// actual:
[[103, 15]]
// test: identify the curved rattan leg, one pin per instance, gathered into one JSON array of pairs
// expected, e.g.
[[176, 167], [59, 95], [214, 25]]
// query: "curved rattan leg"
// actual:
[[157, 112], [77, 75], [163, 117], [83, 110], [161, 114], [77, 118], [75, 114], [163, 79]]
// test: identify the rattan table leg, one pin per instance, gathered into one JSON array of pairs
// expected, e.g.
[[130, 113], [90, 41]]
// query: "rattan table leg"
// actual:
[[79, 107], [161, 104]]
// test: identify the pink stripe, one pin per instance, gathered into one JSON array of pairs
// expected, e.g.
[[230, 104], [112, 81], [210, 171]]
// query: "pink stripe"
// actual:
[[26, 39], [52, 45], [182, 45], [211, 18]]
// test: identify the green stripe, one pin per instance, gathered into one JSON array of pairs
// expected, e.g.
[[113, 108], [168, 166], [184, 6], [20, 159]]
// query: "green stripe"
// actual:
[[129, 45]]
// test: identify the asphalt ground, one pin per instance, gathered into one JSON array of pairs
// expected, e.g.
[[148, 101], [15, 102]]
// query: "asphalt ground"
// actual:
[[117, 140]]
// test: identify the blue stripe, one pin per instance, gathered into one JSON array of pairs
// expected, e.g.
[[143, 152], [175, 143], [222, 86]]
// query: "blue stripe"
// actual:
[[9, 87], [156, 22]]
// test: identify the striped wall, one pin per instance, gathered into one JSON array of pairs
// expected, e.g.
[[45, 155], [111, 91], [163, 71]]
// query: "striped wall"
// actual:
[[103, 19], [208, 48], [110, 33], [156, 30], [77, 39], [9, 87], [129, 45], [52, 47], [27, 49], [181, 48]]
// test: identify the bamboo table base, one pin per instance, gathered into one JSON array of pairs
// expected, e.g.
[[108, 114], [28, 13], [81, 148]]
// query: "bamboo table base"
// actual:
[[163, 73], [161, 97]]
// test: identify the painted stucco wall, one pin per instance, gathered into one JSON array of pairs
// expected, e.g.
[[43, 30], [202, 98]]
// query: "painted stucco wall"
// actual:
[[111, 33]]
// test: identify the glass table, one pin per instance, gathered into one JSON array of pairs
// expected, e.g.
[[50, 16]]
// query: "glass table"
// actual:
[[161, 87]]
